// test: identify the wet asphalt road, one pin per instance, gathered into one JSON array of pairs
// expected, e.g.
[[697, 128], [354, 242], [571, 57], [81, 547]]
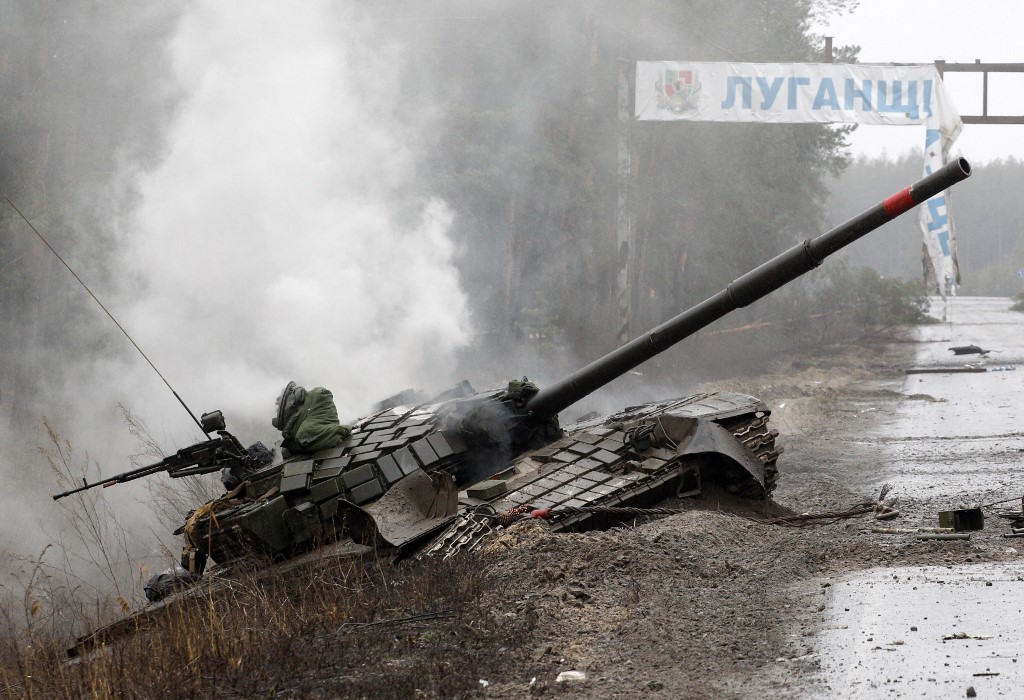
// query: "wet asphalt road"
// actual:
[[956, 441]]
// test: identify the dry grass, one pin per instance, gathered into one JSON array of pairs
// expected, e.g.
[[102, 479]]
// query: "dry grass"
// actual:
[[349, 628], [359, 628]]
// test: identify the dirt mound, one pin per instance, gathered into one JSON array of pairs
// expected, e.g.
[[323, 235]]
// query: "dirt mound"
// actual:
[[665, 607]]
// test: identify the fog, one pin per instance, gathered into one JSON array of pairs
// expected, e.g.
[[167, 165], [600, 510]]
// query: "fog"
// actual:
[[367, 197]]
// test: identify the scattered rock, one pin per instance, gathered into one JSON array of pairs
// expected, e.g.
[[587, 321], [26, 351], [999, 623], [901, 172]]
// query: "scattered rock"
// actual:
[[579, 593]]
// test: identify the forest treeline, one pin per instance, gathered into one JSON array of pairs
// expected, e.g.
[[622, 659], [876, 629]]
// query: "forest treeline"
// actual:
[[80, 92]]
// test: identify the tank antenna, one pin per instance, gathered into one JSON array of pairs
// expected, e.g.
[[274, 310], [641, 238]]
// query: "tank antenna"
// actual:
[[120, 327]]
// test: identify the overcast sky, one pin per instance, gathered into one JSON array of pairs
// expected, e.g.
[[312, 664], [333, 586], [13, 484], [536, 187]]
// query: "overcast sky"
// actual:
[[921, 31]]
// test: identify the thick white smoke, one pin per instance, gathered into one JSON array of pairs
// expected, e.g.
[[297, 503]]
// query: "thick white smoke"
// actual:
[[281, 237], [281, 234]]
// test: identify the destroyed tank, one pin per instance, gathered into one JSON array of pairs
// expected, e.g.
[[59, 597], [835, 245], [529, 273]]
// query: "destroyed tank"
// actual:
[[396, 481], [437, 475]]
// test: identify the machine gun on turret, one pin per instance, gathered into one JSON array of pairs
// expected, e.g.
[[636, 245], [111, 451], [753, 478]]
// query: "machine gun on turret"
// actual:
[[211, 455]]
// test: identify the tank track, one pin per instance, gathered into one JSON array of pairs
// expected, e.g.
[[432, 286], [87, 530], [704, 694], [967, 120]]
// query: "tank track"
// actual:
[[752, 432]]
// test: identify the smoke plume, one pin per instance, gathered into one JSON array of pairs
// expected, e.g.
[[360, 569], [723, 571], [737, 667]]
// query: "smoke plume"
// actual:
[[281, 236]]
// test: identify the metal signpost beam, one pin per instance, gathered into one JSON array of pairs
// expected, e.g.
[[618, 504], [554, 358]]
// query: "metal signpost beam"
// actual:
[[984, 69]]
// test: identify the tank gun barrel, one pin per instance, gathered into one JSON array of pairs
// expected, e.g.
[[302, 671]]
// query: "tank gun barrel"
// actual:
[[755, 284]]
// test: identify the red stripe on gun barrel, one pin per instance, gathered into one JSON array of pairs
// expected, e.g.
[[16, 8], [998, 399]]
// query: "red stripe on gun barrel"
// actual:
[[898, 203]]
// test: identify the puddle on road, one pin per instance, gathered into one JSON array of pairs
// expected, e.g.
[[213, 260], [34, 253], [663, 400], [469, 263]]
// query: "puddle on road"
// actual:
[[883, 633]]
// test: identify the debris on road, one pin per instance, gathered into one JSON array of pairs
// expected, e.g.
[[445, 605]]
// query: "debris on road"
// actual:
[[885, 509], [962, 519], [823, 518], [969, 350], [946, 370]]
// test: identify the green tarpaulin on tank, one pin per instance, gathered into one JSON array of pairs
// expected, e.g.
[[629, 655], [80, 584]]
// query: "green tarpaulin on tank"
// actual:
[[318, 427]]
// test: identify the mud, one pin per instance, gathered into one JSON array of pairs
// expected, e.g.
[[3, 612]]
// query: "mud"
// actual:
[[712, 603]]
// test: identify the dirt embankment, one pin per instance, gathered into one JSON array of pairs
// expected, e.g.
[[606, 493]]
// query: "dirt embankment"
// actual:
[[711, 603]]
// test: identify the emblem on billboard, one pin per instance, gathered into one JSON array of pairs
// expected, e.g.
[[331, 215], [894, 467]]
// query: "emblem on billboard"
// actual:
[[677, 90]]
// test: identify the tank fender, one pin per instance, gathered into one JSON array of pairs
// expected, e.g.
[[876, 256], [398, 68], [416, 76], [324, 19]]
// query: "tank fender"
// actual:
[[414, 506], [710, 437]]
